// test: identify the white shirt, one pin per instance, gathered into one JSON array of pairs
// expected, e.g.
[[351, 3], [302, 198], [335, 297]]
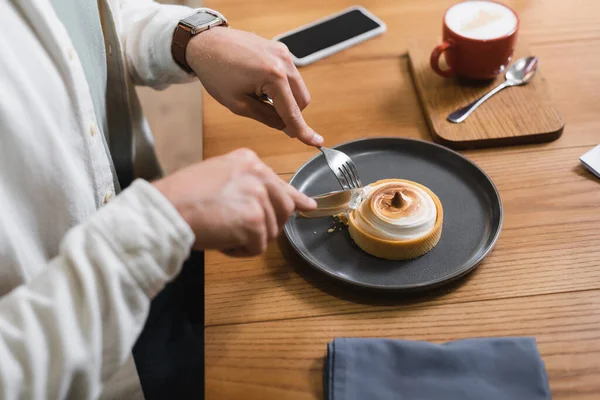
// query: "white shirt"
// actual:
[[76, 275]]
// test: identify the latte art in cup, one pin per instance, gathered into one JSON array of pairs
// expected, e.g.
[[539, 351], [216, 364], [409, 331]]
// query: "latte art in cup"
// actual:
[[478, 40], [481, 20]]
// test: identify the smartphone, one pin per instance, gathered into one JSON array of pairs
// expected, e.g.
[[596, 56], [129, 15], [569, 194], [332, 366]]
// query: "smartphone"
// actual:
[[331, 34]]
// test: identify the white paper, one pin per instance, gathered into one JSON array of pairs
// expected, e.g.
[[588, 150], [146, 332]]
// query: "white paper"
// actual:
[[591, 160]]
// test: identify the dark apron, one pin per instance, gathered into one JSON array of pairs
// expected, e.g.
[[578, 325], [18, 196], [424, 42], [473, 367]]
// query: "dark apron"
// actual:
[[169, 354]]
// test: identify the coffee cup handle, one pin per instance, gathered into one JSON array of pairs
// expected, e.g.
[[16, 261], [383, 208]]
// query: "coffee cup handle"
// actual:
[[434, 61]]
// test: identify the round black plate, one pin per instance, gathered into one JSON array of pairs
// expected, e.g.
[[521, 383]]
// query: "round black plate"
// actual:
[[472, 215]]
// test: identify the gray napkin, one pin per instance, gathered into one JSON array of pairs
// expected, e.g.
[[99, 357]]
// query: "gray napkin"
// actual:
[[470, 369]]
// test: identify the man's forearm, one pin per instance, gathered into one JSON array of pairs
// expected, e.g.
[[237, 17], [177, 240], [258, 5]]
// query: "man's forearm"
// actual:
[[70, 329]]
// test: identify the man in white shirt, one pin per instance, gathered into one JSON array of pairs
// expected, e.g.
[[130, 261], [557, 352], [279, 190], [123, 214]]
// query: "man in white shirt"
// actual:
[[80, 258]]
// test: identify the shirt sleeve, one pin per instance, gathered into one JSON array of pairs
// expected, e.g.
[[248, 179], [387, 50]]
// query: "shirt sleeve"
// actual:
[[70, 328], [147, 29]]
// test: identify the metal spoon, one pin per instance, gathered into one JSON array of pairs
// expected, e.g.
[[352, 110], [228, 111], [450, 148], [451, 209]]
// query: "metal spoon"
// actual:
[[518, 74]]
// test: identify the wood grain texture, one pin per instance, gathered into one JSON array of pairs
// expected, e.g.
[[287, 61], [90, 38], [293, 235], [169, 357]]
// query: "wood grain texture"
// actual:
[[284, 359], [534, 260], [370, 98], [544, 204], [516, 115], [268, 318], [542, 21], [346, 104]]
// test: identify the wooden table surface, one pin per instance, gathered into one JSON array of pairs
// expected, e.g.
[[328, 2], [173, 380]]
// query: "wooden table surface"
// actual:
[[268, 319]]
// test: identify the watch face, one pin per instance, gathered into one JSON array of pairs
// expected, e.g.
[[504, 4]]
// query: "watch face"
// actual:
[[199, 19]]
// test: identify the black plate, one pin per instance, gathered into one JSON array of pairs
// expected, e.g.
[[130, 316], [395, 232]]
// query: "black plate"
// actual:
[[472, 215]]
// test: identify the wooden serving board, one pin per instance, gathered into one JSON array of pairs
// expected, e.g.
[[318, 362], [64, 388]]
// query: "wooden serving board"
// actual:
[[516, 115]]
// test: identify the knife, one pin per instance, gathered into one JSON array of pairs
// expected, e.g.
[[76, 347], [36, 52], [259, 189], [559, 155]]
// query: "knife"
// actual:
[[333, 203]]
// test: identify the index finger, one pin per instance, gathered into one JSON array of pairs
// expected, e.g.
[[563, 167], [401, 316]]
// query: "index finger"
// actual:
[[301, 200], [287, 108]]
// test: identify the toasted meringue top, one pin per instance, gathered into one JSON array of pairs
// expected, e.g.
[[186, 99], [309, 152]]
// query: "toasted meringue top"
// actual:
[[395, 210]]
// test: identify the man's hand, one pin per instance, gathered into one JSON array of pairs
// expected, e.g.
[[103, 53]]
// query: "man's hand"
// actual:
[[238, 67], [233, 203]]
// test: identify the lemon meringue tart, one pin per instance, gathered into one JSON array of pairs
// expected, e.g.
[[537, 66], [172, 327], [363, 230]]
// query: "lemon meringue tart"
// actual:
[[397, 219]]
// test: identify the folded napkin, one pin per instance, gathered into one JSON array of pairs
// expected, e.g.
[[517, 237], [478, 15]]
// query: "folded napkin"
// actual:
[[470, 369]]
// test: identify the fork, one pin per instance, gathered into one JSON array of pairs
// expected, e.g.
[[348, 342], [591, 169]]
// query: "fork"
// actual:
[[340, 164], [342, 167]]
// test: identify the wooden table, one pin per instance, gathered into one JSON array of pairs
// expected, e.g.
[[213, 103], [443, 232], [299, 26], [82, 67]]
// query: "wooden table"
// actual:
[[268, 319]]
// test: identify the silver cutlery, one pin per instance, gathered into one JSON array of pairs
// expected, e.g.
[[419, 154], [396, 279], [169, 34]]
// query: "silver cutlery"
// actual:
[[334, 203], [520, 73], [340, 164], [342, 167]]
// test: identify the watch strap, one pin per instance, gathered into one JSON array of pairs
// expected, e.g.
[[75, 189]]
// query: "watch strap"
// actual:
[[183, 34], [181, 37]]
